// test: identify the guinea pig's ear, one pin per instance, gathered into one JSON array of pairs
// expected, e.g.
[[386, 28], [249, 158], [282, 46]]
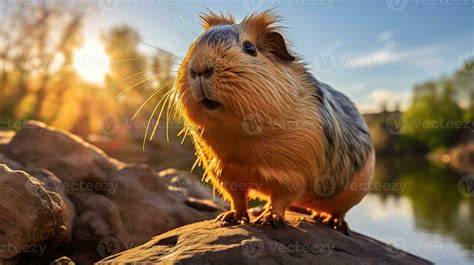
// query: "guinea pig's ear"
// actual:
[[276, 44], [212, 19]]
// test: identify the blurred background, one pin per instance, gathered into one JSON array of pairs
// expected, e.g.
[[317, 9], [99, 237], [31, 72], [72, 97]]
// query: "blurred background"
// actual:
[[88, 67]]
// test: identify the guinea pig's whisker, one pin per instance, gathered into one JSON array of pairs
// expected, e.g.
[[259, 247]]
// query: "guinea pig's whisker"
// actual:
[[150, 97], [161, 50], [150, 119], [145, 59], [185, 133], [133, 86], [168, 115], [137, 84], [141, 72], [165, 98]]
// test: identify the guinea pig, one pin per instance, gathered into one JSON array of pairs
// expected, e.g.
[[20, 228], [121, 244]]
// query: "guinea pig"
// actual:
[[264, 127]]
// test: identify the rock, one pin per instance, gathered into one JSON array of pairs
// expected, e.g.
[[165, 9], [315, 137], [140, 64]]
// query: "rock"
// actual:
[[33, 221], [148, 203], [112, 205], [63, 261], [97, 217], [9, 162], [49, 181], [302, 242], [462, 158], [135, 205], [459, 158], [189, 184], [5, 138], [53, 184], [69, 157]]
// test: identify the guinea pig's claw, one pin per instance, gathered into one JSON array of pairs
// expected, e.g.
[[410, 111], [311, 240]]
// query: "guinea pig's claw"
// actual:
[[333, 222], [232, 217], [344, 228], [269, 218]]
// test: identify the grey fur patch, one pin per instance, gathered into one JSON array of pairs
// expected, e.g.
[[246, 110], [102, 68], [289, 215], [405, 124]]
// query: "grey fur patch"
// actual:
[[220, 34], [348, 142]]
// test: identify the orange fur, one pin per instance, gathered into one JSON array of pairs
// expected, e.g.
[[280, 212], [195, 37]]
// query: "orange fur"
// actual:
[[213, 19]]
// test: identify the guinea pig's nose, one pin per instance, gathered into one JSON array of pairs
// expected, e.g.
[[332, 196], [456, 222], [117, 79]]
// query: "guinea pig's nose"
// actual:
[[206, 72]]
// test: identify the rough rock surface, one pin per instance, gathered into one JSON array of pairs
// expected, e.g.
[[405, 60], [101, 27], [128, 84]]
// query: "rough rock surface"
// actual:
[[32, 220], [5, 138], [63, 261], [302, 242], [65, 154], [111, 205]]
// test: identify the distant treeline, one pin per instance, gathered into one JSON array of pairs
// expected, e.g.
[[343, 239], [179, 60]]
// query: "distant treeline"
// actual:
[[440, 115], [38, 79]]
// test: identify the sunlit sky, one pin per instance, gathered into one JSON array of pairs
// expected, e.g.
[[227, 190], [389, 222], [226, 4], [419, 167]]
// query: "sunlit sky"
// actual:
[[91, 61], [372, 50]]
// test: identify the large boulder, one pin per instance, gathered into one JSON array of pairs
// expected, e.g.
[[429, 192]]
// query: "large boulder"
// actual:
[[33, 221], [121, 204], [5, 160], [302, 242], [148, 202], [5, 138], [70, 158], [49, 181]]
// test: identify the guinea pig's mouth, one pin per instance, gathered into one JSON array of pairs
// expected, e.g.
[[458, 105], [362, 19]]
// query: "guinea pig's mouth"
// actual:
[[210, 104]]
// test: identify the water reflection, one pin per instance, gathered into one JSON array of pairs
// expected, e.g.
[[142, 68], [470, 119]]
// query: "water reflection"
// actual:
[[423, 210]]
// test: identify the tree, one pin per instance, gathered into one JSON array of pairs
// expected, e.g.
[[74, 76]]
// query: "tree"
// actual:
[[34, 38], [464, 80], [431, 119]]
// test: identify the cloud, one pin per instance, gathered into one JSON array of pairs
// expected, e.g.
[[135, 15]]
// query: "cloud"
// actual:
[[359, 86], [384, 57], [383, 96], [423, 57], [385, 36], [335, 45]]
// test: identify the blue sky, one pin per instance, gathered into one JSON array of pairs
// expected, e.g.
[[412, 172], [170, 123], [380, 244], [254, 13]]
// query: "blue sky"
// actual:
[[372, 50]]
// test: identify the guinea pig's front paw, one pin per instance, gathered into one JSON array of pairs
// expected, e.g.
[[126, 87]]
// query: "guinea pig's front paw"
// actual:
[[268, 217], [233, 217], [336, 223]]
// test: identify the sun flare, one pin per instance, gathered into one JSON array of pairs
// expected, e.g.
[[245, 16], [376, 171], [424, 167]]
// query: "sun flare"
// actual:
[[92, 63]]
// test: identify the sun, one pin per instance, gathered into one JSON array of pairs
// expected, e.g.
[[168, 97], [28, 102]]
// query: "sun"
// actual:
[[91, 62]]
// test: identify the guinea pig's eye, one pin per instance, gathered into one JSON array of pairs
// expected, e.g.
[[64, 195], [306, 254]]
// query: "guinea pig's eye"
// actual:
[[249, 48]]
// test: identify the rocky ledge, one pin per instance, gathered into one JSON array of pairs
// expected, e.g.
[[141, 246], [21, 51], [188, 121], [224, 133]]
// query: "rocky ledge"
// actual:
[[301, 242]]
